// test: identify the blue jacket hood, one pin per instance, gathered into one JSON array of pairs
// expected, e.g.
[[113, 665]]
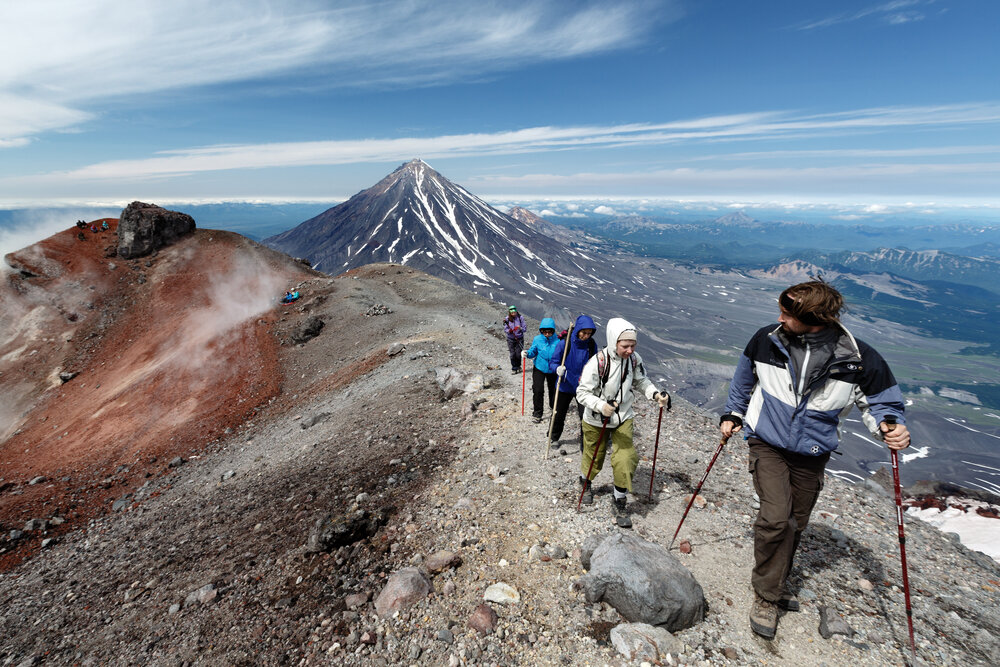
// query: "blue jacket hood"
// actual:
[[547, 323], [584, 322]]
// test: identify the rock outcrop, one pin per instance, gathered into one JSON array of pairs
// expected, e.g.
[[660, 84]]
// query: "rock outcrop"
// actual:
[[144, 228]]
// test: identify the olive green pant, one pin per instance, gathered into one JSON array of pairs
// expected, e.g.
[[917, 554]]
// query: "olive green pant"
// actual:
[[788, 485], [624, 458]]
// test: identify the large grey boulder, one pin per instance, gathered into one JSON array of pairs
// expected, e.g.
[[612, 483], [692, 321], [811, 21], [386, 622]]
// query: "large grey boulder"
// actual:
[[143, 228], [644, 582]]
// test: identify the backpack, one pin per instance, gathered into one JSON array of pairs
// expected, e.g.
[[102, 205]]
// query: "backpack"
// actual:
[[604, 369]]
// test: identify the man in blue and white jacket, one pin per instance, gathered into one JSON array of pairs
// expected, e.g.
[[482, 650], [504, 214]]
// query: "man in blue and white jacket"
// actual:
[[791, 386]]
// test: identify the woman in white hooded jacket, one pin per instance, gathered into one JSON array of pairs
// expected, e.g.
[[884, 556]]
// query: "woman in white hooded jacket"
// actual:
[[606, 385]]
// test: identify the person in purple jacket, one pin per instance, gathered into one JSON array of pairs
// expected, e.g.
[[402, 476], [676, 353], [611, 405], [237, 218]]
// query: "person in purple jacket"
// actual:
[[513, 325], [581, 348]]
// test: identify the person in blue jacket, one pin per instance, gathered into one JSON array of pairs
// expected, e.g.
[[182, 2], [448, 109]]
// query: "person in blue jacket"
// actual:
[[541, 375], [581, 348]]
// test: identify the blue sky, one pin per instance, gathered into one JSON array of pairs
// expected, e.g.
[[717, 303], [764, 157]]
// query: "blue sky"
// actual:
[[867, 103]]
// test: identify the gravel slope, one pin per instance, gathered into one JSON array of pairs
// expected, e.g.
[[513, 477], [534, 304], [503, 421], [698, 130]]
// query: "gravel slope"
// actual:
[[207, 564]]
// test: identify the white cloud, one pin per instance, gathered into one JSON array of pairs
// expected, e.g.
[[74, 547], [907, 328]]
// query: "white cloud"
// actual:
[[605, 210], [895, 12], [743, 127], [71, 59]]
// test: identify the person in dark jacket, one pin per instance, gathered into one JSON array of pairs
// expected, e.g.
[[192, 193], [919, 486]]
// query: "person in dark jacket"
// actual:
[[792, 384], [581, 348], [513, 325], [541, 375]]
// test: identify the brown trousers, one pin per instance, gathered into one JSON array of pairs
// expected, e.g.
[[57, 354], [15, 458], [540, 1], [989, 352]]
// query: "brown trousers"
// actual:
[[788, 485]]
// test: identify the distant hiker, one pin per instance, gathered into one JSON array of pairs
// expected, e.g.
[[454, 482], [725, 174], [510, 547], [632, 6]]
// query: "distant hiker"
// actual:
[[791, 385], [581, 348], [541, 376], [605, 390], [93, 228], [80, 224], [104, 225], [513, 324]]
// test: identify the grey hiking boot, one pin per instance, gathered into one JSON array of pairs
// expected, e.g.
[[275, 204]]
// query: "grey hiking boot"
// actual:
[[763, 617], [588, 492], [619, 507], [788, 601]]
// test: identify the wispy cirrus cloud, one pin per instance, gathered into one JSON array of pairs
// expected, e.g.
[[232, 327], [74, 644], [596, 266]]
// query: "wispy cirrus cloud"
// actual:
[[896, 12], [64, 61], [967, 181], [704, 130]]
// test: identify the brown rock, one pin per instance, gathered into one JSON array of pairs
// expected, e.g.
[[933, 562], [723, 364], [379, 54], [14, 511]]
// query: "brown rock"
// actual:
[[441, 561], [483, 619], [685, 547], [404, 588]]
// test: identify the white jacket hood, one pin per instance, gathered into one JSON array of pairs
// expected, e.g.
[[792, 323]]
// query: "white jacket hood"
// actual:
[[614, 329]]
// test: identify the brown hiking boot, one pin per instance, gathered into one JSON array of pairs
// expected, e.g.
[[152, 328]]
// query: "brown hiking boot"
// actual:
[[763, 617], [788, 601]]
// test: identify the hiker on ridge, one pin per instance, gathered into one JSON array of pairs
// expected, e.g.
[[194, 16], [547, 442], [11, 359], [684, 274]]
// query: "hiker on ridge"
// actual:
[[541, 376], [792, 383], [513, 325], [581, 348], [606, 390]]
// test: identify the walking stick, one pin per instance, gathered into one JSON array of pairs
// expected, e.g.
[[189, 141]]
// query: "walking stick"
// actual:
[[555, 403], [694, 495], [890, 422], [523, 366], [597, 448], [656, 448]]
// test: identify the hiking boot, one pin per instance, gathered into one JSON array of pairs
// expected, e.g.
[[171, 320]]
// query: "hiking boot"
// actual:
[[536, 418], [763, 617], [619, 507], [515, 371], [588, 492], [788, 601]]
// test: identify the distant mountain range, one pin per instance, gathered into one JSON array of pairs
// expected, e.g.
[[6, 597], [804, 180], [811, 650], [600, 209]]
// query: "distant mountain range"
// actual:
[[417, 217], [916, 264], [738, 240]]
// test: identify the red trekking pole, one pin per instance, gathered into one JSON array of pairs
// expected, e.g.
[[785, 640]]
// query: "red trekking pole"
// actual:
[[890, 422], [694, 495], [597, 449], [656, 447], [523, 366]]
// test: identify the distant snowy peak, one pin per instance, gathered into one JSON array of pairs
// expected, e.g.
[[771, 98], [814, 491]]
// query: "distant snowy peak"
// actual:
[[417, 217], [737, 218]]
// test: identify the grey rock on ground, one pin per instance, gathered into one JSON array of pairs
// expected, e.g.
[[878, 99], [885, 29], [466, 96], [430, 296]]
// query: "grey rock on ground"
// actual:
[[644, 582]]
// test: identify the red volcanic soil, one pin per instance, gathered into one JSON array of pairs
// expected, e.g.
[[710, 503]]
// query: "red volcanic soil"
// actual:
[[169, 351]]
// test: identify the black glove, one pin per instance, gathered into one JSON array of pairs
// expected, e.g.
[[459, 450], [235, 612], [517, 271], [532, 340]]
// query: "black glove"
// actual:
[[731, 418]]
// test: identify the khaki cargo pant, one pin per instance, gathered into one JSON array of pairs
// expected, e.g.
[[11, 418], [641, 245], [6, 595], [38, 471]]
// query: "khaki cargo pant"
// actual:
[[788, 485], [624, 458]]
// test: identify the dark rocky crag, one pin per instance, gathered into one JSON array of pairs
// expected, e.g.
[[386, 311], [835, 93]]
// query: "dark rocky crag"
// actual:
[[144, 228]]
